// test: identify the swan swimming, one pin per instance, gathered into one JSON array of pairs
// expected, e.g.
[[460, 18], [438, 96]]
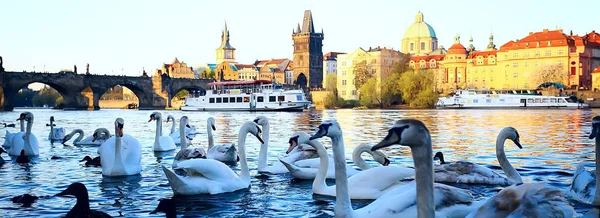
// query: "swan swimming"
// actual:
[[190, 131], [223, 153], [25, 140], [161, 143], [100, 136], [298, 153], [121, 154], [56, 134], [415, 199], [186, 153], [362, 185], [208, 176], [9, 136], [472, 173], [584, 187]]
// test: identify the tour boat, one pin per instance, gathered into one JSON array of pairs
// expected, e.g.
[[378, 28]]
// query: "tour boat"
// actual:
[[506, 99], [257, 95]]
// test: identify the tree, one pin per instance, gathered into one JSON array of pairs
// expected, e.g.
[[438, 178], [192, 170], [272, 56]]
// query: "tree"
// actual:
[[369, 95], [416, 88], [390, 90], [182, 94], [550, 73], [331, 82], [361, 74]]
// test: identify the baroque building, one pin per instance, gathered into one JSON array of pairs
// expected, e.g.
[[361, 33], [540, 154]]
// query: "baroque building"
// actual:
[[419, 37], [330, 65], [308, 54], [176, 70]]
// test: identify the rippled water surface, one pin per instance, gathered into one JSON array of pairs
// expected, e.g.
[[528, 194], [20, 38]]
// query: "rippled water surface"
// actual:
[[554, 142]]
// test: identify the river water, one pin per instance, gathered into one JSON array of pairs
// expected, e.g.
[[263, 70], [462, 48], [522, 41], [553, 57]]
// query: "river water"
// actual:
[[554, 142]]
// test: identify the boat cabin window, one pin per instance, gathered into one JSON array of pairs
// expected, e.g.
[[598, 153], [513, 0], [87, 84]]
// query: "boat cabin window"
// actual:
[[538, 100], [530, 100], [271, 98], [232, 99], [218, 100], [281, 98], [211, 100], [553, 100], [225, 100], [259, 99], [246, 99], [545, 100], [239, 99]]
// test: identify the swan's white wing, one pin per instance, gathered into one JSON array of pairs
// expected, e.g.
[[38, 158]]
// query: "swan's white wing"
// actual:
[[545, 202], [227, 153], [166, 143], [467, 172], [132, 153], [506, 201], [211, 169], [583, 187], [379, 178]]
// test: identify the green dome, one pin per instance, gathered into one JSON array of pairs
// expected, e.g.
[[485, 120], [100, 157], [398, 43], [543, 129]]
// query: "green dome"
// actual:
[[419, 29]]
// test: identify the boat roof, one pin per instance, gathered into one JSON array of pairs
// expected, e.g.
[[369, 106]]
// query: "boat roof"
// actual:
[[239, 83]]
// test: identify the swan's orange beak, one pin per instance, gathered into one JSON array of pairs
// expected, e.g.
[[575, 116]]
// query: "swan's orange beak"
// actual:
[[120, 130], [21, 117], [386, 162], [151, 118]]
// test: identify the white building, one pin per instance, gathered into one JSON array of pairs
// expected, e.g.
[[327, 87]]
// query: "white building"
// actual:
[[329, 64]]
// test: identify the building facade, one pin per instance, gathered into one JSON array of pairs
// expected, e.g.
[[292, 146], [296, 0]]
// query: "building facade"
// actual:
[[329, 65], [308, 54], [419, 37], [176, 70], [379, 61]]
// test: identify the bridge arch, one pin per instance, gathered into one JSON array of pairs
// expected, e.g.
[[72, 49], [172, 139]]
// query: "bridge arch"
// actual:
[[49, 94], [143, 98], [177, 95]]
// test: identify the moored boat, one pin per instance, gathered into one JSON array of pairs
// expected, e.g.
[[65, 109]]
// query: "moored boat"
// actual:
[[506, 99]]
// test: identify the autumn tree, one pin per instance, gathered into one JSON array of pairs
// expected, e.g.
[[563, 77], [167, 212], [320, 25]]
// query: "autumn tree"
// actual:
[[550, 73], [361, 74]]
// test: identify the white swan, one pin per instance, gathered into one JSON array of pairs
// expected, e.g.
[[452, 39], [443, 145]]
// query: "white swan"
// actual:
[[208, 176], [25, 140], [100, 136], [402, 201], [223, 153], [584, 187], [300, 152], [121, 154], [309, 168], [468, 172], [9, 136], [161, 143], [56, 134], [190, 132], [186, 153], [363, 186]]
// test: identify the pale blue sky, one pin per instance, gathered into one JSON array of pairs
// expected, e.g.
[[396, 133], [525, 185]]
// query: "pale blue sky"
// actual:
[[112, 35]]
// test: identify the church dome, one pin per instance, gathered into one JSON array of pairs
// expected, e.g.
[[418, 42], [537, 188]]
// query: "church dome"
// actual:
[[419, 29]]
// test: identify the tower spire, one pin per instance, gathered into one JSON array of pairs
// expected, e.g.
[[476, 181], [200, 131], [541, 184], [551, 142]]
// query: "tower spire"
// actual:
[[491, 45], [471, 47], [307, 24]]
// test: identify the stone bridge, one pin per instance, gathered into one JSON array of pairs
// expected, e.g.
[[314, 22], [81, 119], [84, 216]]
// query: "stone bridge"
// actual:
[[83, 91]]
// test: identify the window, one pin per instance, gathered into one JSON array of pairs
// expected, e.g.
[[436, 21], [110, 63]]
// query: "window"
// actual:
[[422, 65], [343, 72], [560, 52], [373, 61], [526, 54], [225, 100], [343, 92], [271, 98], [548, 52], [211, 100], [515, 64], [412, 46], [246, 99], [537, 53], [343, 63], [526, 64], [480, 61], [232, 99], [373, 71], [422, 46], [281, 98], [515, 55], [239, 99], [536, 63], [260, 99], [343, 82], [515, 75], [353, 92], [432, 64]]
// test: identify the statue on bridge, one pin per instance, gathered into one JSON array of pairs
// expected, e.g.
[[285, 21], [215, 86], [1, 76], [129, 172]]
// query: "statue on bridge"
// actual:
[[1, 67], [75, 68], [144, 74], [87, 69]]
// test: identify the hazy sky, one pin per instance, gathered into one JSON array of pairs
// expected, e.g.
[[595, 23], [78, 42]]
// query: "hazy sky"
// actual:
[[113, 35]]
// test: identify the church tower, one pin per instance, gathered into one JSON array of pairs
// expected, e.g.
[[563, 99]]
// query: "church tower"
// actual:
[[308, 54], [225, 52]]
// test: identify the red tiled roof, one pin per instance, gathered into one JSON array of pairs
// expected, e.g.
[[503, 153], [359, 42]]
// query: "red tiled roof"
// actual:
[[485, 54], [428, 60], [457, 48], [546, 38], [277, 61], [244, 65], [597, 70]]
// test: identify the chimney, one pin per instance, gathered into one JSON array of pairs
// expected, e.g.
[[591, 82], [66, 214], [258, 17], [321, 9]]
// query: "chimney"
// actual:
[[530, 33], [545, 30]]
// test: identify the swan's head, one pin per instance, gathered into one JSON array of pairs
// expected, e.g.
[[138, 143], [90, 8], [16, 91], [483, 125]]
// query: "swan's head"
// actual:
[[119, 127], [184, 122], [170, 117], [211, 123], [27, 116], [86, 158], [253, 129], [381, 158], [51, 118], [439, 156], [595, 127], [97, 133], [75, 189], [512, 134], [261, 120], [297, 139], [328, 128], [154, 116], [166, 206], [67, 138], [408, 132]]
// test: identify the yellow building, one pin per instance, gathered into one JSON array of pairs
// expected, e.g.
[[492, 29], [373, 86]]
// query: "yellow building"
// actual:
[[247, 72], [378, 61], [419, 38], [176, 70], [226, 71]]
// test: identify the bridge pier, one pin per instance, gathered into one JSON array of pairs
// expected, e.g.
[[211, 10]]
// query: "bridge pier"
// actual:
[[76, 102], [8, 100]]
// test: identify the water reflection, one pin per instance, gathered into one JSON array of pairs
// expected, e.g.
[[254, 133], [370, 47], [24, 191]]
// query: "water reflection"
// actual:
[[554, 142]]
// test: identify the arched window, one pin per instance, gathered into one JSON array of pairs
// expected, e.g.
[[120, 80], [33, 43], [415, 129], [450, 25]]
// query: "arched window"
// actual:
[[422, 46], [412, 46]]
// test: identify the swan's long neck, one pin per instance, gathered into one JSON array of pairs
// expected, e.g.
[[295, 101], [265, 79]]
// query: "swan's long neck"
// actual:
[[51, 126], [422, 158], [118, 163], [79, 137], [158, 131], [245, 172], [182, 136], [358, 160], [343, 208], [28, 134], [22, 122], [105, 132], [319, 182], [508, 169], [211, 141], [173, 126], [596, 200], [264, 148]]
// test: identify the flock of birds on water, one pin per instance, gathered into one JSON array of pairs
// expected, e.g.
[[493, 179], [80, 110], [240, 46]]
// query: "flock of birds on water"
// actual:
[[419, 191]]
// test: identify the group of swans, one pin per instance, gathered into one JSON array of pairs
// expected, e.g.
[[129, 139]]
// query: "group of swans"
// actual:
[[99, 136], [56, 134], [186, 153], [24, 141], [161, 143], [190, 131]]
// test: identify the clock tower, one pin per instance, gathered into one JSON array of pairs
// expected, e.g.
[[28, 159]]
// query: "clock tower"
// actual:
[[225, 52]]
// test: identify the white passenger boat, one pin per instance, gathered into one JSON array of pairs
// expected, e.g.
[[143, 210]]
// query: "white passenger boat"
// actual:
[[506, 99], [257, 95]]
